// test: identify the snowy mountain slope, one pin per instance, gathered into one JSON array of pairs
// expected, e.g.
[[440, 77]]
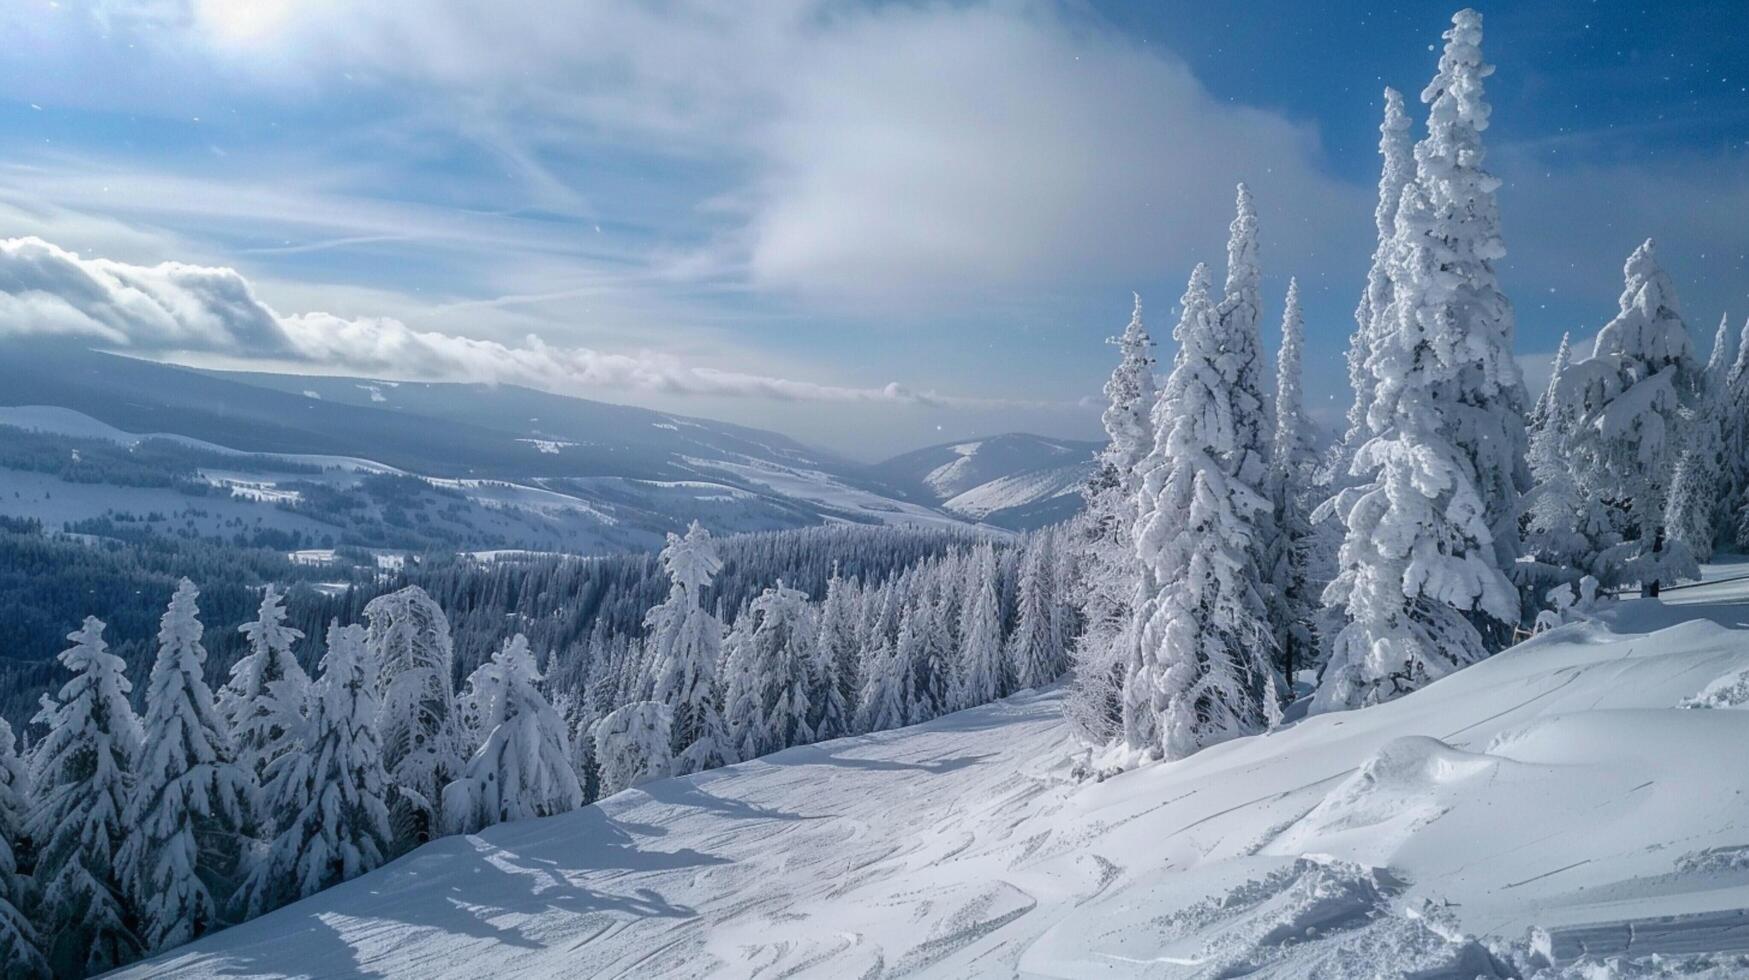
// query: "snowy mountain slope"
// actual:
[[1014, 480], [1552, 801], [540, 471]]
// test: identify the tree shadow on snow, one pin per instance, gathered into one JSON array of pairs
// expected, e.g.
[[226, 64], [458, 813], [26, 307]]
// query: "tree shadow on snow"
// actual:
[[453, 888], [818, 755], [684, 792]]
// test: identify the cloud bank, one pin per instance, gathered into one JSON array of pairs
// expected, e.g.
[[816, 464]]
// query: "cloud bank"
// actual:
[[173, 308]]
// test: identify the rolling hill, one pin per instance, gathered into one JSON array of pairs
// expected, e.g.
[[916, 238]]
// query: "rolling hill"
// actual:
[[1016, 480]]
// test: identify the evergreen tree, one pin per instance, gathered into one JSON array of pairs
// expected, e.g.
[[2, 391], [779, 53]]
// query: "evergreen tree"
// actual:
[[1035, 654], [1397, 156], [687, 643], [191, 801], [1199, 669], [82, 771], [410, 647], [933, 681], [522, 768], [983, 671], [835, 663], [1293, 464], [20, 953], [263, 702], [1565, 526], [1695, 515], [886, 687], [328, 794], [631, 744], [1239, 314], [1735, 430], [769, 674], [1449, 264], [1429, 540], [1104, 535], [1631, 399]]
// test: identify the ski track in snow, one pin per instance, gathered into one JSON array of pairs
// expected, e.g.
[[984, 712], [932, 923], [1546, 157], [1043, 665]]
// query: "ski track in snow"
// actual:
[[1558, 787]]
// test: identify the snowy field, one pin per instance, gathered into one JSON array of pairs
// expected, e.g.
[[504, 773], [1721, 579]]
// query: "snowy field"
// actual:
[[1555, 802]]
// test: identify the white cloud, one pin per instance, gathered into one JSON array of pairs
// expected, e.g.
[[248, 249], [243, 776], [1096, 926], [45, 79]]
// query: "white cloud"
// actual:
[[917, 155], [179, 309]]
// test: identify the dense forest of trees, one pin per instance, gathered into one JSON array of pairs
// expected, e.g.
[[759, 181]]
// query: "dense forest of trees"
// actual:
[[229, 783]]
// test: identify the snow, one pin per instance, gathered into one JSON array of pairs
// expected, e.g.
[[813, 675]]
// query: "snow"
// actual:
[[550, 447], [1557, 787]]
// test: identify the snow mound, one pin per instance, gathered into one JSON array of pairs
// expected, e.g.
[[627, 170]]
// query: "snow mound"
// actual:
[[1408, 783], [1729, 691], [1318, 917]]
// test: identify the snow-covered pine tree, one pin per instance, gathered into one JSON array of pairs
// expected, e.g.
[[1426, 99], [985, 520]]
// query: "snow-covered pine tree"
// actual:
[[1199, 667], [20, 954], [1035, 654], [1735, 428], [191, 800], [263, 702], [687, 642], [1429, 540], [886, 695], [1103, 531], [766, 706], [1452, 282], [835, 660], [933, 683], [330, 793], [1631, 399], [1397, 168], [1239, 314], [1293, 465], [522, 768], [82, 772], [1565, 526], [631, 745], [410, 649], [1694, 513], [983, 675], [1419, 562]]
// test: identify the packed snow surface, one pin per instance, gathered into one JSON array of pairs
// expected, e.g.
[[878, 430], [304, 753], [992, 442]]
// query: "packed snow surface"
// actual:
[[1563, 800]]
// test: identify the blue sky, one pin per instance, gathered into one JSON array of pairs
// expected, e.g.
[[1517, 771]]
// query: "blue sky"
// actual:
[[872, 226]]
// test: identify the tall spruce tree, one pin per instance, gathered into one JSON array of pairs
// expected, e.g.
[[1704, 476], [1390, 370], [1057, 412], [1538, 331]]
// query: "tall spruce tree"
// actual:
[[1035, 653], [1632, 399], [191, 801], [83, 774], [1200, 665], [1293, 465], [687, 642], [522, 768], [329, 794], [20, 950], [1104, 535], [412, 652], [766, 708], [1696, 514], [262, 704], [1397, 168], [1422, 573]]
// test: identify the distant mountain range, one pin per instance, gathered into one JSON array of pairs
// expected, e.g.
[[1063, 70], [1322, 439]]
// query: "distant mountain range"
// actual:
[[1015, 480], [542, 470]]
